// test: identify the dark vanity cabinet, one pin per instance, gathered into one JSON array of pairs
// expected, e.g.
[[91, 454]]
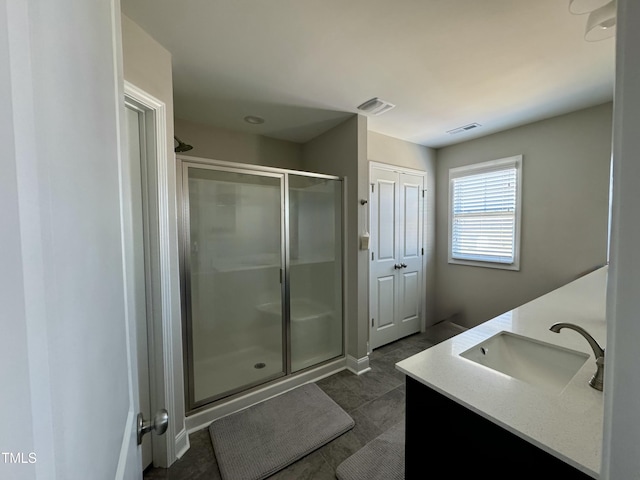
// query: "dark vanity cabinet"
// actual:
[[446, 436]]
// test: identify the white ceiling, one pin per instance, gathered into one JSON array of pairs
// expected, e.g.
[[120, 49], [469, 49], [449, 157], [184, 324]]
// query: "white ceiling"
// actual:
[[305, 65]]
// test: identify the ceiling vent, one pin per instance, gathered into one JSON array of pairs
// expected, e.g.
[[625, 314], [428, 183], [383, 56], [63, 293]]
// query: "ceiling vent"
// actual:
[[375, 106], [464, 128]]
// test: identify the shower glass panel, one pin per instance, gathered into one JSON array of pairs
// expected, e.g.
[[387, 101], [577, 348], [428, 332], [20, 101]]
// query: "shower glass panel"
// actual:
[[315, 270], [233, 291]]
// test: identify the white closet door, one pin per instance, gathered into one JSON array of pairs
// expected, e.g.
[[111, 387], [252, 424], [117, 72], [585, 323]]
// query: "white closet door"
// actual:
[[395, 276]]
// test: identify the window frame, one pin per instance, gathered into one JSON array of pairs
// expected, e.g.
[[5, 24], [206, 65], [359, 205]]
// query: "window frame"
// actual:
[[479, 168]]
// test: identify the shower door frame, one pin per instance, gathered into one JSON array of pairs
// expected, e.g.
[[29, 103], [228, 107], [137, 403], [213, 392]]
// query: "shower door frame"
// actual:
[[183, 162]]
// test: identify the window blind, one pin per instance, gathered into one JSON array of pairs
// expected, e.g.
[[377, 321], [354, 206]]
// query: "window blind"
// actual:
[[484, 216]]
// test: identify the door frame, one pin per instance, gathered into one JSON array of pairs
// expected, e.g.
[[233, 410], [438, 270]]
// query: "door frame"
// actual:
[[410, 171], [164, 355]]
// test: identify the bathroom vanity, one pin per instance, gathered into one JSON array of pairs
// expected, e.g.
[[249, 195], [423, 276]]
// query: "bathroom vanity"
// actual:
[[510, 397]]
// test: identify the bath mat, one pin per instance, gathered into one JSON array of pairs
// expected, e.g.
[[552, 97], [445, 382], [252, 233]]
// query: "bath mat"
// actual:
[[380, 459], [260, 440]]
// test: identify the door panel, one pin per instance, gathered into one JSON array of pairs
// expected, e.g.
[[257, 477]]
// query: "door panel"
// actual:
[[410, 302], [411, 224], [396, 262], [386, 220], [385, 300]]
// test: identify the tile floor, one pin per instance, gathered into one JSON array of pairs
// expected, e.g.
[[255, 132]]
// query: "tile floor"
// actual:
[[374, 400]]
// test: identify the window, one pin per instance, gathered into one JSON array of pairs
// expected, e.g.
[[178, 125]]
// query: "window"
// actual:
[[484, 214]]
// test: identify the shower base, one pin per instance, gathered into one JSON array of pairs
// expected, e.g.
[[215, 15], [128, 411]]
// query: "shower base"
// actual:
[[233, 370]]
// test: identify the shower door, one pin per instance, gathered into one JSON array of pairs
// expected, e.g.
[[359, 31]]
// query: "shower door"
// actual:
[[234, 260]]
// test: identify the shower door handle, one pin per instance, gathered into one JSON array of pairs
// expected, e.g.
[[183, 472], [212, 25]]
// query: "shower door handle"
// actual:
[[159, 424]]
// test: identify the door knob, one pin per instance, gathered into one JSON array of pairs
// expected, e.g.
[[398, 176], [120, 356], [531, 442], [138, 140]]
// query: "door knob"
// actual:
[[397, 266], [403, 265], [159, 424]]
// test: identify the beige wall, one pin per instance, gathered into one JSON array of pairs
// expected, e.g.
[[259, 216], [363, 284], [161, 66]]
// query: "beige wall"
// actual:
[[147, 65], [342, 151], [230, 146], [564, 213], [392, 151]]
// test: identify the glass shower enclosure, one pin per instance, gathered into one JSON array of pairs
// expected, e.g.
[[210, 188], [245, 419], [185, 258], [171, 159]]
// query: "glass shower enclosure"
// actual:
[[261, 275]]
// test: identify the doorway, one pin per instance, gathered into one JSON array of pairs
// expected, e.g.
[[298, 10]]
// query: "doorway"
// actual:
[[139, 145], [396, 275], [150, 185]]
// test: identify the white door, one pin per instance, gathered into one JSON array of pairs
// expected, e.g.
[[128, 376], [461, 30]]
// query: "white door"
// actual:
[[395, 277], [136, 148], [72, 393]]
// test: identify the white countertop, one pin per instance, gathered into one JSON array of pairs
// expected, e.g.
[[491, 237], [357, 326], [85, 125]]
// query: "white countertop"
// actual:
[[568, 425]]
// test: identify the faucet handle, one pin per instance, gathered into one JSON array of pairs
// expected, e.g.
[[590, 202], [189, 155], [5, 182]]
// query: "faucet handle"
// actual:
[[597, 381]]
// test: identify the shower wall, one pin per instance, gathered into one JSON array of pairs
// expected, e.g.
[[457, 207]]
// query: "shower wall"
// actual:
[[228, 145]]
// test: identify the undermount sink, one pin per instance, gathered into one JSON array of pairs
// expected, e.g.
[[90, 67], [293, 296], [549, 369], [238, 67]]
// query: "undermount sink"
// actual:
[[538, 363]]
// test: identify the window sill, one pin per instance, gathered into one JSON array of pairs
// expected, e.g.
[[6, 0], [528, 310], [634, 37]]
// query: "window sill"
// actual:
[[475, 263]]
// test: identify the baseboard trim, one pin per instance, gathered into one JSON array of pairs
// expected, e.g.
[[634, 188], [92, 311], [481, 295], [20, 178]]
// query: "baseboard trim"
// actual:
[[182, 443], [358, 365]]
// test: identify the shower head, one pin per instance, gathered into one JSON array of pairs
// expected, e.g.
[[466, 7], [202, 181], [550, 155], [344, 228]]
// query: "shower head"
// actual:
[[182, 147]]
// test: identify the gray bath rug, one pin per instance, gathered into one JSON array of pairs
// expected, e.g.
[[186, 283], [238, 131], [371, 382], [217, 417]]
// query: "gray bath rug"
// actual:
[[380, 459], [260, 440]]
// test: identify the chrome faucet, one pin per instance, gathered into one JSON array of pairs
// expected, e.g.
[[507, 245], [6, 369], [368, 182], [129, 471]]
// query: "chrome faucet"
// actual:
[[597, 381]]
